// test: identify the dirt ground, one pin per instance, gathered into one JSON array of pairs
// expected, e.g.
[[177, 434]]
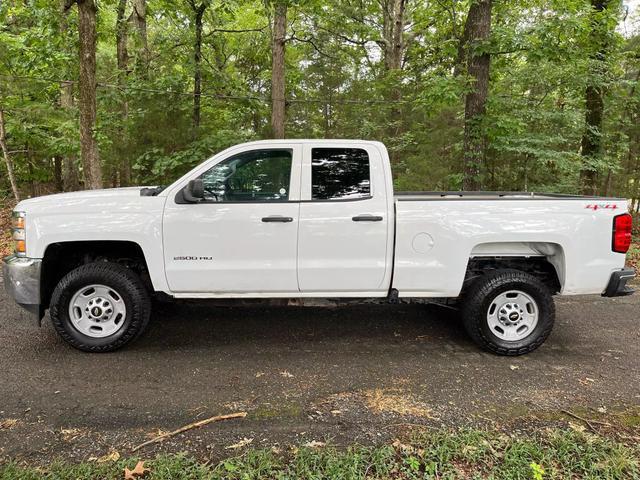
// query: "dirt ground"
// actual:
[[343, 375]]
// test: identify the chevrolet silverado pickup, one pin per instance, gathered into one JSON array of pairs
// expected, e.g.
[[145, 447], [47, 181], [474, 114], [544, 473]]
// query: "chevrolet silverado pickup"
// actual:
[[312, 218]]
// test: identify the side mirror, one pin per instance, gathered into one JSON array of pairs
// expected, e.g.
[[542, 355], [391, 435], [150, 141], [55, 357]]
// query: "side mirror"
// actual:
[[194, 191]]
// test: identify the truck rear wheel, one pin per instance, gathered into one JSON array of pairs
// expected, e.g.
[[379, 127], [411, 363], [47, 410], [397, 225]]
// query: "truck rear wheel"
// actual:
[[508, 312], [100, 307]]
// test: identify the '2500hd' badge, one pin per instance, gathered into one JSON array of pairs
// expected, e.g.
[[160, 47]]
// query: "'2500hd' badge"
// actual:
[[187, 257]]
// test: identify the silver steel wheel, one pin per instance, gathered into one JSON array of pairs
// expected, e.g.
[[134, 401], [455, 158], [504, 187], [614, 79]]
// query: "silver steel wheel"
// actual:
[[97, 311], [513, 315]]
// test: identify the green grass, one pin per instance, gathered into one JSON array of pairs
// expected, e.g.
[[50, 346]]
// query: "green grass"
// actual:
[[443, 454]]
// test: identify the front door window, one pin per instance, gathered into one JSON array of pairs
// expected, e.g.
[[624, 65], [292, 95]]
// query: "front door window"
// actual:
[[254, 176]]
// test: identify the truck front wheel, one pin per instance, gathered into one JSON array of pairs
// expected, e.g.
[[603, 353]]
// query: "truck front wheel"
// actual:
[[100, 307], [508, 312]]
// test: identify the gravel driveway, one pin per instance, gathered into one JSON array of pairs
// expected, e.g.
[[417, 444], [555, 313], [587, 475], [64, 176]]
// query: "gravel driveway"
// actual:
[[331, 374]]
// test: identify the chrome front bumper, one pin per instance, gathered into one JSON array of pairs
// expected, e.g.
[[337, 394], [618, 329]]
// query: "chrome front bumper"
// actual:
[[22, 281]]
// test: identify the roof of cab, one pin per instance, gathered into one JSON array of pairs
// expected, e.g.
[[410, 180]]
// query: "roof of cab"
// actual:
[[311, 140]]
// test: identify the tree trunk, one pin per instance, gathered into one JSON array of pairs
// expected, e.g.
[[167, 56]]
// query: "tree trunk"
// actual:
[[139, 17], [278, 69], [393, 53], [121, 40], [393, 29], [7, 158], [198, 11], [477, 30], [87, 12], [69, 163], [57, 173], [608, 182], [33, 187], [591, 144], [123, 71]]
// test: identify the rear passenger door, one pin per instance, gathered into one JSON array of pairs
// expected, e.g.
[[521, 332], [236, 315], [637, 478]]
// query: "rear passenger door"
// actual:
[[343, 233]]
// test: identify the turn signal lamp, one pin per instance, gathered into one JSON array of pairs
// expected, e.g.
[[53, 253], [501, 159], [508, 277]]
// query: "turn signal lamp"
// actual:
[[19, 233]]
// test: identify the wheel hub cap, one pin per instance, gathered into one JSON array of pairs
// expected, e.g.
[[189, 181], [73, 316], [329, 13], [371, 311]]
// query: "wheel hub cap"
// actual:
[[97, 311], [512, 315]]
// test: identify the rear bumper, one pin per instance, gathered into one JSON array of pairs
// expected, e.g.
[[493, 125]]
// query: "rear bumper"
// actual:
[[22, 282], [618, 283]]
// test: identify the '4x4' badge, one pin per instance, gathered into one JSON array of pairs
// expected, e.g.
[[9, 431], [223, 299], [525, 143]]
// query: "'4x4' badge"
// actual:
[[598, 206]]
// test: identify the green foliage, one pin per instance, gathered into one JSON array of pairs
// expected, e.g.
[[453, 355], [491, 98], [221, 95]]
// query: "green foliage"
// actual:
[[543, 55], [460, 454]]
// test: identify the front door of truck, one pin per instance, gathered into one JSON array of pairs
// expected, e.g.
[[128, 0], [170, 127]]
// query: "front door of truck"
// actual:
[[242, 238]]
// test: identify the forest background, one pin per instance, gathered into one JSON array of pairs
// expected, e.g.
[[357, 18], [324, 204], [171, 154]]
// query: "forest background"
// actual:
[[528, 95]]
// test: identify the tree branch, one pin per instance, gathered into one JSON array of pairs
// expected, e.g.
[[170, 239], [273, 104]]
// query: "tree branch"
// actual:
[[68, 4], [232, 30], [312, 43]]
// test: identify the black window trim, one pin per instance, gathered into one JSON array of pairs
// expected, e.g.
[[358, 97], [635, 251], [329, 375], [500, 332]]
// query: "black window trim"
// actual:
[[179, 199]]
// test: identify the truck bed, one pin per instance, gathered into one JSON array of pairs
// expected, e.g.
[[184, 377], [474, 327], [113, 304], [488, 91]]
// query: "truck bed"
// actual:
[[434, 242]]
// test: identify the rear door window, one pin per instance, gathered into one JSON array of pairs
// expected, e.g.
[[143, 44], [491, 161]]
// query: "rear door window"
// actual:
[[340, 174]]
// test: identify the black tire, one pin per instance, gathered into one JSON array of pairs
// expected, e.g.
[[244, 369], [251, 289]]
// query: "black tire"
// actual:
[[478, 299], [122, 280]]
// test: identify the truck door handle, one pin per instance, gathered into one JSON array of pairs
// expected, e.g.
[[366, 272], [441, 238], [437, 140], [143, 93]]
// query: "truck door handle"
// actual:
[[366, 218], [277, 218]]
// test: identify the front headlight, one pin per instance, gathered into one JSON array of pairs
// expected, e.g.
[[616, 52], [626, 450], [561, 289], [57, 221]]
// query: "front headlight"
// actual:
[[19, 233]]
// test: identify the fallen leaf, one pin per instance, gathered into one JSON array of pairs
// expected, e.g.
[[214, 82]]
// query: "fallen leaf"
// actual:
[[259, 374], [314, 444], [398, 445], [602, 409], [577, 427], [157, 433], [514, 367], [245, 441], [336, 412], [138, 471], [396, 401], [112, 456], [9, 423], [284, 373], [70, 434]]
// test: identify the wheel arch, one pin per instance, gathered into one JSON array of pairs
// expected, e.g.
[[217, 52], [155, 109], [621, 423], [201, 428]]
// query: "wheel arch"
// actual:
[[62, 257], [545, 260]]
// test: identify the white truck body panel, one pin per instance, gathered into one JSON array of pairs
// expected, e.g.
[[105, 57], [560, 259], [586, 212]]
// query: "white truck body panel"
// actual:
[[576, 239], [233, 251], [348, 256], [421, 246], [111, 214]]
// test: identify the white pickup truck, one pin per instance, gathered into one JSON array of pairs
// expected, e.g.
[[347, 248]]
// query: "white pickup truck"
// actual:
[[311, 218]]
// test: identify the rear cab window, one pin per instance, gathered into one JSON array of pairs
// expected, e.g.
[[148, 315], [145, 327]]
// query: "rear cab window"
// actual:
[[340, 174]]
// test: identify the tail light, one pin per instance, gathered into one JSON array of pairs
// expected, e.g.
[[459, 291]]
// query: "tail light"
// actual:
[[622, 225]]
